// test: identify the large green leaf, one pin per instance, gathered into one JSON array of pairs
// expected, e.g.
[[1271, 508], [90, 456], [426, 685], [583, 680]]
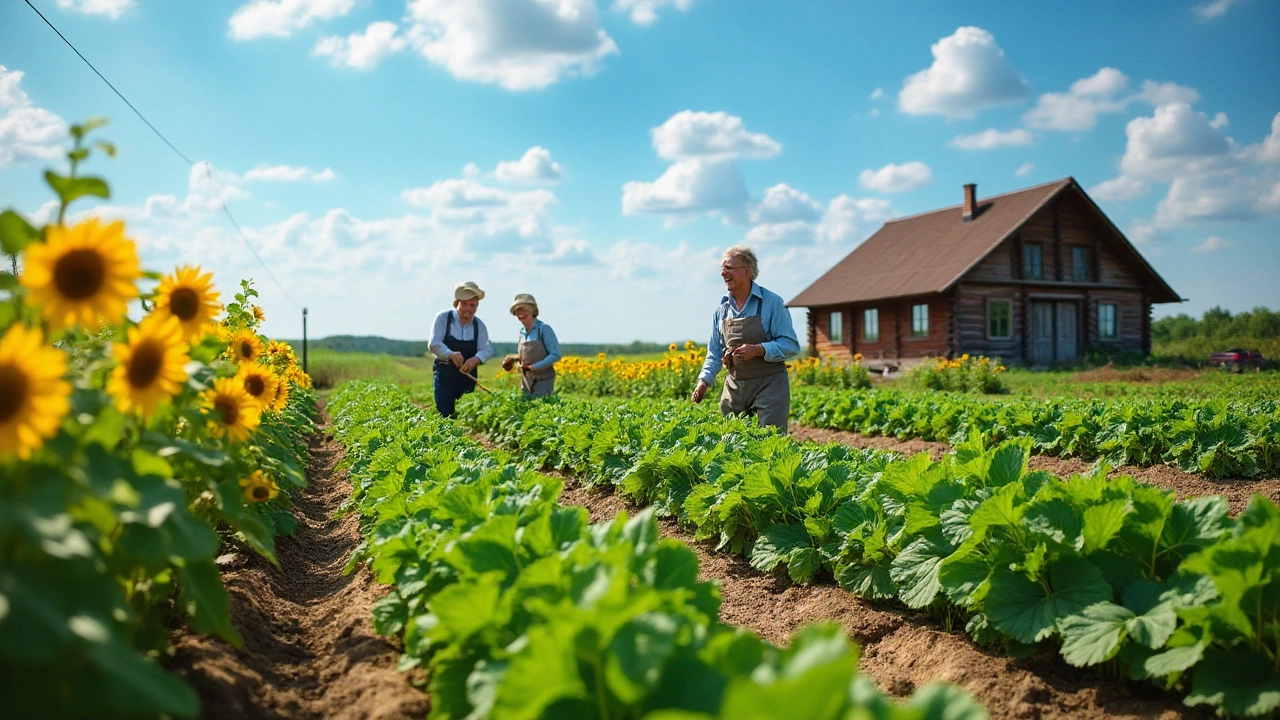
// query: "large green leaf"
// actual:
[[1103, 522], [1094, 635], [1240, 681], [638, 653], [69, 188], [776, 544], [1029, 611], [15, 232], [206, 601], [1154, 615], [915, 570]]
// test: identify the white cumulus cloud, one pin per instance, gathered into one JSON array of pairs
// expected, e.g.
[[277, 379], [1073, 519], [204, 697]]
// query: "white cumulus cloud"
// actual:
[[783, 203], [645, 12], [536, 165], [1024, 169], [688, 188], [991, 138], [517, 44], [362, 51], [288, 173], [1120, 189], [1212, 243], [111, 8], [969, 73], [281, 18], [893, 178], [845, 219], [710, 136], [1175, 141], [1212, 9], [1079, 108], [1156, 94], [26, 132]]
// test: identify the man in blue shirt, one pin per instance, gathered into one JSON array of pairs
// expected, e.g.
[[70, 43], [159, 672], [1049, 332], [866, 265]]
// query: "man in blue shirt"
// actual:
[[460, 342], [752, 337]]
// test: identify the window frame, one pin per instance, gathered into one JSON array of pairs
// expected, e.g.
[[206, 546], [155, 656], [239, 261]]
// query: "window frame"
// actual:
[[923, 315], [1081, 271], [1115, 322], [1008, 318], [1027, 249], [835, 326], [874, 315]]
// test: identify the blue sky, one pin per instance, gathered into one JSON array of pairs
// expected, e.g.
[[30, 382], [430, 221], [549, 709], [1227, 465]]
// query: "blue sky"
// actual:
[[601, 154]]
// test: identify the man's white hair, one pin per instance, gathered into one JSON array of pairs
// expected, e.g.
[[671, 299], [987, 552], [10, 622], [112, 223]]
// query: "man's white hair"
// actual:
[[745, 255]]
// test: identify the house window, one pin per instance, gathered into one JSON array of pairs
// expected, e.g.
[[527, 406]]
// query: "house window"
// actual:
[[871, 324], [835, 329], [1032, 262], [1107, 321], [998, 313], [920, 320], [1081, 264]]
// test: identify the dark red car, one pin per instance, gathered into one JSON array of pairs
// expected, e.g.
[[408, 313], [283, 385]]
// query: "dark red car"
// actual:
[[1238, 359]]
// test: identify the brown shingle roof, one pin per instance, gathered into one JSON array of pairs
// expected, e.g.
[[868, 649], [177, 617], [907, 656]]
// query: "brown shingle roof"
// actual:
[[929, 252]]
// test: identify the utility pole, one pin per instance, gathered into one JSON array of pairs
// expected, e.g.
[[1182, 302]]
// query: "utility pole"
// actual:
[[304, 339]]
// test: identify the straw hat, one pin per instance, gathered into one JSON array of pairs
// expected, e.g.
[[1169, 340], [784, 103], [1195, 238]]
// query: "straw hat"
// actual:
[[466, 291], [525, 299]]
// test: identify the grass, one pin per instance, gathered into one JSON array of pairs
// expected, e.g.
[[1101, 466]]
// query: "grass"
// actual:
[[331, 367]]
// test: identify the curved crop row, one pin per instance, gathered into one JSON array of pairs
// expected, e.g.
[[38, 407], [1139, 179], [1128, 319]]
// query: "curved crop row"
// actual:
[[520, 609], [1106, 570], [1218, 438]]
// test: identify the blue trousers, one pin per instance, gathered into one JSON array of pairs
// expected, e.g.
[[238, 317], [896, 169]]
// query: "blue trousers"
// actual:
[[450, 384]]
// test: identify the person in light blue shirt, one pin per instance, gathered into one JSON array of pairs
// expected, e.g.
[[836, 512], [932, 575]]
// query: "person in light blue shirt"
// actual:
[[752, 338], [538, 351]]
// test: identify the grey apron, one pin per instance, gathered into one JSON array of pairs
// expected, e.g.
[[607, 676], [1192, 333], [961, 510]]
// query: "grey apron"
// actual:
[[756, 386], [537, 383]]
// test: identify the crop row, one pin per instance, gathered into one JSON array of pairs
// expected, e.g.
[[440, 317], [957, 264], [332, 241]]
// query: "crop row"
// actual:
[[520, 609], [1105, 571], [1212, 437]]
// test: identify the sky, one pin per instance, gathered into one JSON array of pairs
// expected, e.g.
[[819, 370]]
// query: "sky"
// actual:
[[602, 154]]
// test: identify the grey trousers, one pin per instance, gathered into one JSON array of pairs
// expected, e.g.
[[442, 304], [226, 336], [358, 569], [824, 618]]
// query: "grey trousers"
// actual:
[[767, 398]]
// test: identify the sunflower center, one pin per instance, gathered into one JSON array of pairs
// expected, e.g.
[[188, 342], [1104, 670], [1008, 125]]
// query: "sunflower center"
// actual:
[[261, 492], [79, 274], [246, 350], [255, 385], [145, 364], [184, 303], [14, 388], [228, 408]]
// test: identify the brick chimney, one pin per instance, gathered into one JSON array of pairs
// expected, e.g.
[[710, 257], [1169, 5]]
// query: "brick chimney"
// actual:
[[970, 201]]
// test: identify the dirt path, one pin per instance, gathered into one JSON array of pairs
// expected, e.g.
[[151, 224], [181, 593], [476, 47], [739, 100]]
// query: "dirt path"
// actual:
[[902, 650], [310, 651], [1237, 491]]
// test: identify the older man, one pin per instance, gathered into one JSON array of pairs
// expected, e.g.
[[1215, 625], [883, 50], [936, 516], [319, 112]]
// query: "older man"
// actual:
[[752, 337], [460, 342]]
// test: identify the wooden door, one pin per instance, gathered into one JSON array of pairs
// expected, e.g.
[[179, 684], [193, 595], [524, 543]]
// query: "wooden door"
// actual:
[[1042, 333], [1067, 330]]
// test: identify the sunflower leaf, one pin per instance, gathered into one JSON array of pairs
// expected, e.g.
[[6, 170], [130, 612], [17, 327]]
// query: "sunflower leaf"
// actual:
[[71, 188], [15, 232]]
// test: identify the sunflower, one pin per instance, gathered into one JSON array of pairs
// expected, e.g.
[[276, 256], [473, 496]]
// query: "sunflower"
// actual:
[[299, 377], [258, 315], [258, 487], [671, 347], [33, 396], [281, 398], [151, 365], [82, 274], [189, 296], [246, 346], [231, 410], [259, 382]]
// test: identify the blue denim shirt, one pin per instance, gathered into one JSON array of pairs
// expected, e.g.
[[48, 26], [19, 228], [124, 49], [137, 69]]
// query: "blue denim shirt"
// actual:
[[542, 331], [775, 318]]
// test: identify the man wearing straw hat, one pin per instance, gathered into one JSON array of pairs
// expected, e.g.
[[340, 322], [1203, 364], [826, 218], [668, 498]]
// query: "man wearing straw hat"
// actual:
[[538, 351], [460, 342], [752, 337]]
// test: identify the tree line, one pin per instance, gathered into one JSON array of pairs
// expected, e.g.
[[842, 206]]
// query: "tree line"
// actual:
[[1218, 323], [418, 348]]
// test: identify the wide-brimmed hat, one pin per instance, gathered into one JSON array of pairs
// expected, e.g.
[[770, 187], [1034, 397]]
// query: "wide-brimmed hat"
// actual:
[[466, 291], [525, 299]]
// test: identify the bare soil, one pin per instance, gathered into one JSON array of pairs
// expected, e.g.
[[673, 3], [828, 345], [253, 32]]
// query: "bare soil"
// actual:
[[1237, 491], [310, 650], [903, 650]]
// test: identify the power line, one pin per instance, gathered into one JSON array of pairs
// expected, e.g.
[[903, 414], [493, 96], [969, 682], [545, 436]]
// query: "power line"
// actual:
[[227, 211]]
